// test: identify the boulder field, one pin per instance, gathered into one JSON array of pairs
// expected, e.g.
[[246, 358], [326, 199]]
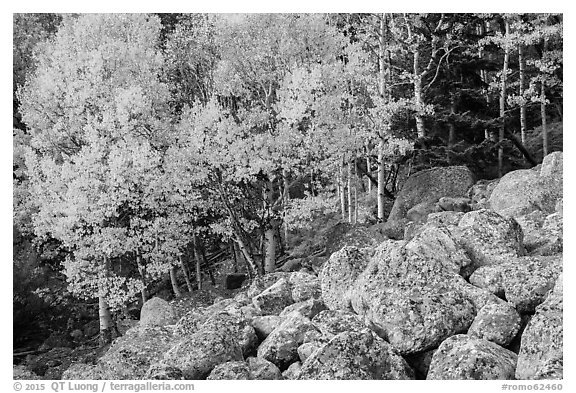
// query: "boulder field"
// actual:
[[471, 289]]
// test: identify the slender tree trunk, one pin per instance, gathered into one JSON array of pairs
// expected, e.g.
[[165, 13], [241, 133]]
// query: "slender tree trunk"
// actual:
[[142, 271], [418, 100], [270, 232], [198, 262], [522, 65], [368, 171], [543, 115], [503, 103], [342, 192], [381, 180], [174, 282], [235, 258], [105, 318], [186, 273], [451, 124], [286, 198], [350, 200]]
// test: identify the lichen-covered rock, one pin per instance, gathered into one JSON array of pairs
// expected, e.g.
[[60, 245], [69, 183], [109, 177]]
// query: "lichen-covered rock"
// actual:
[[355, 355], [524, 281], [80, 371], [239, 329], [307, 349], [230, 371], [445, 219], [489, 238], [430, 185], [196, 355], [466, 357], [549, 240], [460, 204], [162, 371], [480, 193], [419, 212], [527, 280], [408, 294], [338, 275], [262, 369], [498, 323], [307, 309], [264, 325], [281, 346], [552, 165], [130, 356], [523, 191], [304, 286], [333, 322], [21, 372], [264, 282], [190, 322], [292, 371], [274, 299], [542, 341], [157, 312]]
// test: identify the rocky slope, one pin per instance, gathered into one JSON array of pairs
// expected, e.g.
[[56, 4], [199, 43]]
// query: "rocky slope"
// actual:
[[471, 289]]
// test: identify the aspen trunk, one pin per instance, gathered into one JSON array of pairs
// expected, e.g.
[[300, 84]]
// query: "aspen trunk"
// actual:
[[174, 282], [418, 96], [543, 115], [368, 171], [381, 180], [270, 232], [503, 104], [105, 319], [350, 201], [186, 273], [522, 65], [198, 262], [235, 258], [286, 198], [142, 271], [342, 192]]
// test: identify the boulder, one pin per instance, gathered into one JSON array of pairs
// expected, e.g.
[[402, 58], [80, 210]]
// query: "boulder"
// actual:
[[190, 322], [549, 240], [419, 213], [459, 204], [264, 325], [230, 371], [465, 357], [307, 349], [409, 294], [445, 219], [157, 312], [527, 282], [498, 323], [480, 193], [130, 356], [80, 371], [262, 369], [274, 299], [281, 346], [304, 286], [261, 283], [392, 229], [197, 354], [339, 273], [488, 238], [162, 371], [430, 185], [524, 281], [292, 371], [20, 372], [542, 342], [552, 166], [523, 191], [307, 309], [333, 322], [240, 330], [355, 355]]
